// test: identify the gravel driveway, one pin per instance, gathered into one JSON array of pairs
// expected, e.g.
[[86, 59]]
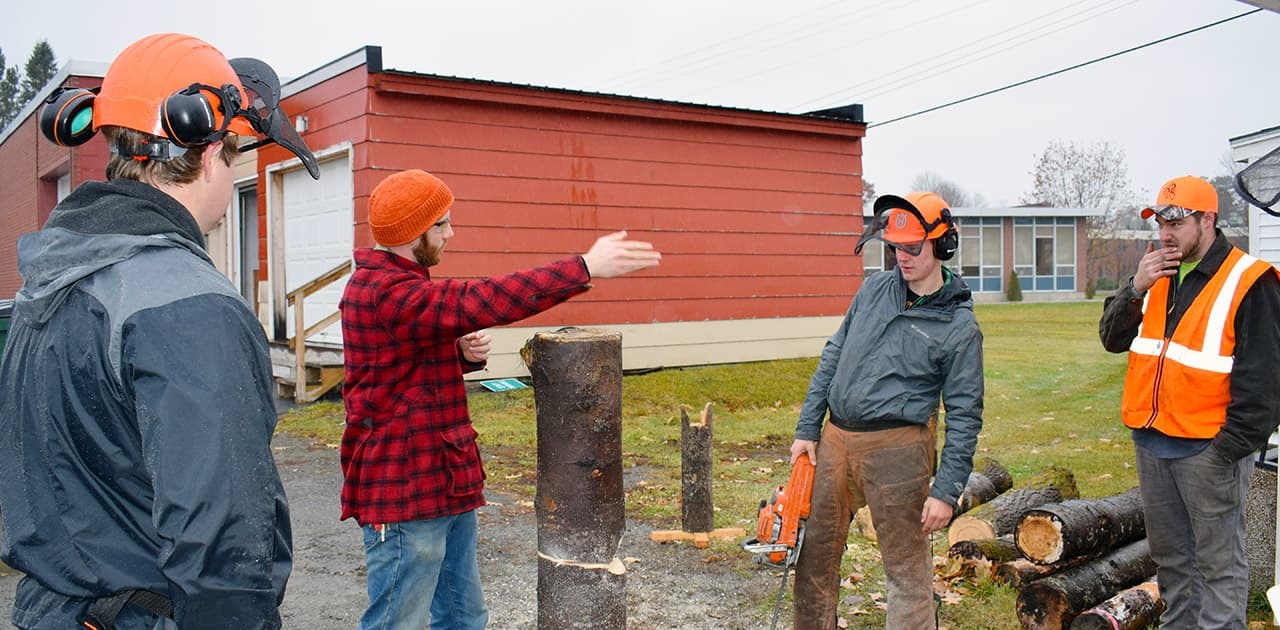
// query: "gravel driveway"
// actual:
[[668, 585]]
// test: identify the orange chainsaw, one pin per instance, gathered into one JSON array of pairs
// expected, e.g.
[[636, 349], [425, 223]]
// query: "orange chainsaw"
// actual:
[[780, 525]]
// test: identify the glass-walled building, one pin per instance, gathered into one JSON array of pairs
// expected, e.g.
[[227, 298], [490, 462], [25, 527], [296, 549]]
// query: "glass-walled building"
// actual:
[[1045, 247]]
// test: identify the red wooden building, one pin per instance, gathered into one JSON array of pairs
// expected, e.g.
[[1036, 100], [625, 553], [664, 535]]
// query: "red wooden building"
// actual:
[[754, 212]]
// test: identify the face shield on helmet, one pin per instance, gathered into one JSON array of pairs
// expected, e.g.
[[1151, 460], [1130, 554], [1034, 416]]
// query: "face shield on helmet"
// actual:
[[906, 224]]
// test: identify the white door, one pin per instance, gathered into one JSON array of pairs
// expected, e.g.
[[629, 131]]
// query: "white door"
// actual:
[[318, 226]]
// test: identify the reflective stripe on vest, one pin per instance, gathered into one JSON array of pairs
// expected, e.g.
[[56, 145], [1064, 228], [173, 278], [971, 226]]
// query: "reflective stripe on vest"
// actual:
[[1181, 385]]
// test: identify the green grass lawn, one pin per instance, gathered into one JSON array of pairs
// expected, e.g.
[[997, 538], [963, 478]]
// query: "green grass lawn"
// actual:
[[1052, 399]]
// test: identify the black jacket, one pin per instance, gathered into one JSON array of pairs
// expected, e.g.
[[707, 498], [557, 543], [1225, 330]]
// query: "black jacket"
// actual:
[[136, 416], [1255, 381]]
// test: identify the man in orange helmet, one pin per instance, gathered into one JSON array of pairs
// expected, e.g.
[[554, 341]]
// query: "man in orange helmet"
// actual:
[[1199, 320], [908, 340], [137, 484]]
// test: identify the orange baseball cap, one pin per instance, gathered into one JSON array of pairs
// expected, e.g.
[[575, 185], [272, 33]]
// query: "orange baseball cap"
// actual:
[[1181, 196]]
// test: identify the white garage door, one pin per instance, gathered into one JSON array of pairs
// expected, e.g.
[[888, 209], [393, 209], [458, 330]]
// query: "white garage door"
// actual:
[[317, 236]]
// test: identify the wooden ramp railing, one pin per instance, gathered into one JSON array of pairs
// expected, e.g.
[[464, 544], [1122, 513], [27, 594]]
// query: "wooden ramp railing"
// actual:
[[329, 375]]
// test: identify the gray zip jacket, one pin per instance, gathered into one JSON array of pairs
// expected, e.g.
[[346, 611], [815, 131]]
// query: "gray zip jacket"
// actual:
[[888, 365], [136, 416]]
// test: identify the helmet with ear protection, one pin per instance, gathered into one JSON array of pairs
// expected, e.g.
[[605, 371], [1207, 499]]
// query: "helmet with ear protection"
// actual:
[[941, 226], [182, 90], [908, 222], [172, 86]]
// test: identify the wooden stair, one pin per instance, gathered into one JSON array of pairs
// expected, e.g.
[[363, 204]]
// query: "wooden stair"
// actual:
[[322, 373]]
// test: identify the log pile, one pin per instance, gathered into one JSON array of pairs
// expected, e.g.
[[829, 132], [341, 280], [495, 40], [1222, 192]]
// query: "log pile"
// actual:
[[1000, 515], [1077, 563]]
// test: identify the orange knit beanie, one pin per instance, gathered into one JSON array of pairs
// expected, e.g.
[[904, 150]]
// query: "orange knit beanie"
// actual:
[[406, 204]]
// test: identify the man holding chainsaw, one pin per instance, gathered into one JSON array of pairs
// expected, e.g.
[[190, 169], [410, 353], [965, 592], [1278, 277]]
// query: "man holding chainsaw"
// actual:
[[137, 483], [908, 340]]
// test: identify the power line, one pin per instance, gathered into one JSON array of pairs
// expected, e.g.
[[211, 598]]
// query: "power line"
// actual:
[[925, 68], [1067, 69]]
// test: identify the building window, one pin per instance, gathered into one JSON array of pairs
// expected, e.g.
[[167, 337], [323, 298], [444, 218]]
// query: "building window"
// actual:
[[1044, 253], [981, 253]]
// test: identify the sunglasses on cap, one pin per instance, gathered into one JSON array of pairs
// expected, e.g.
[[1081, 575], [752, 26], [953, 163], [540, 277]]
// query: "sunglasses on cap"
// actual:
[[1168, 212]]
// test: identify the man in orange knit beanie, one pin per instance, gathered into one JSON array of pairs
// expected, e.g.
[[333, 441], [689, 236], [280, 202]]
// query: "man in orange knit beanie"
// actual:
[[412, 472]]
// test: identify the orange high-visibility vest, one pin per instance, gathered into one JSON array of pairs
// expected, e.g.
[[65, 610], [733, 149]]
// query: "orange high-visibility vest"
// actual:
[[1181, 385]]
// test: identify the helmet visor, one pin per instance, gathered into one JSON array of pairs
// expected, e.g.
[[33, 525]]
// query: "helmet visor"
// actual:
[[263, 111], [899, 228]]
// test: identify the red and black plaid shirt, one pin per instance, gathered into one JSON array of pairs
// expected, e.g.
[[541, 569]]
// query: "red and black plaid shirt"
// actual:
[[409, 451]]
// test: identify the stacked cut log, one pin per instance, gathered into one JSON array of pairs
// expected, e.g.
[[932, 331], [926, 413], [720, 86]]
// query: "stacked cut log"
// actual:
[[1135, 608], [980, 557], [984, 486], [1081, 560], [1054, 601], [999, 516], [1081, 527]]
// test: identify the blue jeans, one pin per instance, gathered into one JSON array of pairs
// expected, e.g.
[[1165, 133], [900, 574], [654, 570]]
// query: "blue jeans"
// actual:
[[1194, 511], [420, 570]]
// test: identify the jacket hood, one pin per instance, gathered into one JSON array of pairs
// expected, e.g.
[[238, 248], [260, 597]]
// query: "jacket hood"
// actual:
[[96, 226]]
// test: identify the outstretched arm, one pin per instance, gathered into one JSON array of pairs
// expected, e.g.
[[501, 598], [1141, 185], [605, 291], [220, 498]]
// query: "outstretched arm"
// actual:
[[612, 256]]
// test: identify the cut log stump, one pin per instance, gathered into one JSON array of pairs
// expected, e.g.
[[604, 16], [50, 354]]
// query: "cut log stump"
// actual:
[[1055, 600], [1135, 608], [1080, 527], [697, 509], [579, 501], [1001, 515]]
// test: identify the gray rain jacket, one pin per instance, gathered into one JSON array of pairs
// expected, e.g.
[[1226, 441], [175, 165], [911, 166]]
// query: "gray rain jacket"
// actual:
[[136, 416], [888, 365]]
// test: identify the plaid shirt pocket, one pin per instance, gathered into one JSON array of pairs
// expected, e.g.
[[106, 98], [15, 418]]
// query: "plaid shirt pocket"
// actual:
[[462, 461]]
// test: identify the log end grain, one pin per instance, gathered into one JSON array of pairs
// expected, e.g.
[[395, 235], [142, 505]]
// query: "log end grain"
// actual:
[[1039, 538]]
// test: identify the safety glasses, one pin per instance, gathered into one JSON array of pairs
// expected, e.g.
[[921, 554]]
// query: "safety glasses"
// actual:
[[900, 228]]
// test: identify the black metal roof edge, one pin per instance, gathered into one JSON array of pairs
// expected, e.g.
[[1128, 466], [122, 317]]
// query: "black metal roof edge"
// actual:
[[821, 115]]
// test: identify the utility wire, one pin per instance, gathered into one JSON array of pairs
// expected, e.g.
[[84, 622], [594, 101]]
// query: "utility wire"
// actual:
[[1001, 40], [1067, 69]]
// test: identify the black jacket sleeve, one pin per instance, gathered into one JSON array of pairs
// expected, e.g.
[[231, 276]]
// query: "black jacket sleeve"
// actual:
[[1121, 317], [201, 383], [1254, 410]]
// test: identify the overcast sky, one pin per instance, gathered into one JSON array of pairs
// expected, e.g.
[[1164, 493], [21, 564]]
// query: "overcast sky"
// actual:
[[1171, 107]]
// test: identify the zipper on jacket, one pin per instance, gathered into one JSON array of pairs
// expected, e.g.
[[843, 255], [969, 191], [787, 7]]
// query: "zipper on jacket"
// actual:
[[1155, 386]]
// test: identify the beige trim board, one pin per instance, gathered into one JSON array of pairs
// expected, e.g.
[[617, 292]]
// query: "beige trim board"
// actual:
[[646, 346]]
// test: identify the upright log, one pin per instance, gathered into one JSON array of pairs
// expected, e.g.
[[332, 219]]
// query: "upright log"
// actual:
[[1000, 516], [1080, 527], [984, 485], [577, 379], [1053, 601], [1135, 608], [697, 511]]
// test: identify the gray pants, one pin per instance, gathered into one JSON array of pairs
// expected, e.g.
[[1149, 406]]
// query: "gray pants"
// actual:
[[1194, 512]]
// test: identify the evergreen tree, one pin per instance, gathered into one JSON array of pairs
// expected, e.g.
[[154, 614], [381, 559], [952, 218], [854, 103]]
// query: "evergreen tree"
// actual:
[[9, 105], [41, 67]]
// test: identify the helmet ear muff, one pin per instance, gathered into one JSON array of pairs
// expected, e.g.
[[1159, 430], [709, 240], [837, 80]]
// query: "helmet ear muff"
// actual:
[[944, 247], [66, 118], [189, 118]]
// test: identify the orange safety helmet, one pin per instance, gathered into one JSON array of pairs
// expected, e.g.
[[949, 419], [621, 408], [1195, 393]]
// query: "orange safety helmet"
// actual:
[[908, 222], [151, 70]]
